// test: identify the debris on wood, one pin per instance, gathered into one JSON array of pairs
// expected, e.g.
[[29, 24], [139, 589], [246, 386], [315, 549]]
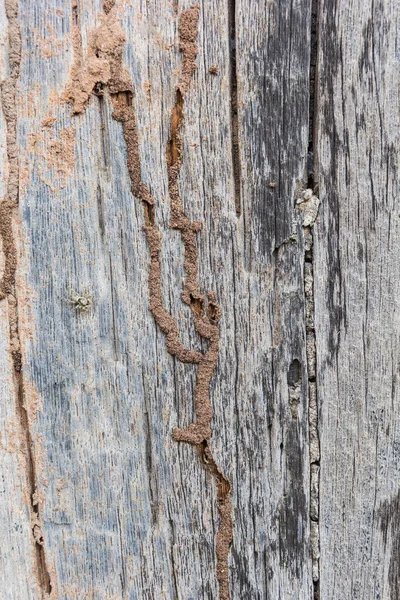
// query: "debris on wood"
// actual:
[[309, 204]]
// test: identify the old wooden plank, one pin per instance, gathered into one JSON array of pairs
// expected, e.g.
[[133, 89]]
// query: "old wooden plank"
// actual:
[[271, 552], [357, 279], [18, 565], [272, 56], [126, 511]]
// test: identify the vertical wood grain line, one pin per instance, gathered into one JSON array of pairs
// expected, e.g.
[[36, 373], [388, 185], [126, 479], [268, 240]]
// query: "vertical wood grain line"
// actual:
[[8, 211]]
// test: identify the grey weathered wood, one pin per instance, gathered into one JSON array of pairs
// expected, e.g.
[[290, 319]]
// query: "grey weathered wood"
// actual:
[[271, 552], [357, 275], [17, 557], [100, 501], [17, 564]]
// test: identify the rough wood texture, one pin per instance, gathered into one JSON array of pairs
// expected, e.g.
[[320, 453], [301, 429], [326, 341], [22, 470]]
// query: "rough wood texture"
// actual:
[[357, 278], [159, 383]]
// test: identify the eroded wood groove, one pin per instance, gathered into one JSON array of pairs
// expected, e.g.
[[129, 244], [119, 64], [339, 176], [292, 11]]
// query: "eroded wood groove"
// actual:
[[313, 408], [234, 104], [311, 349], [103, 67], [312, 114], [43, 574], [8, 210]]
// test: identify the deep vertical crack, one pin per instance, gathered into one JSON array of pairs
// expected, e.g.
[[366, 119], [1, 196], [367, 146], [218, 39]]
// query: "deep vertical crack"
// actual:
[[314, 446], [8, 210], [123, 569], [234, 104], [311, 350], [103, 67], [312, 90]]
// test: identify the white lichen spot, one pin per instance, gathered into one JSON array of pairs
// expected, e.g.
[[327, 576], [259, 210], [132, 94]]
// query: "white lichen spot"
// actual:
[[81, 302], [308, 203]]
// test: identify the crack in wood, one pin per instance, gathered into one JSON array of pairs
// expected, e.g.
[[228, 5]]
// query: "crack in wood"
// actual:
[[309, 204], [389, 516], [8, 208], [103, 66], [314, 444], [312, 100], [234, 104], [311, 350], [224, 535]]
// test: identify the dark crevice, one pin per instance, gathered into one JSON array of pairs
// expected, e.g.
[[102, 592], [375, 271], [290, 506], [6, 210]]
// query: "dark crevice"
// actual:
[[312, 92], [294, 381], [174, 570], [313, 416], [100, 211], [42, 571], [213, 311], [123, 572], [75, 13], [196, 305], [104, 130], [234, 104], [113, 310], [174, 143], [153, 487], [149, 214]]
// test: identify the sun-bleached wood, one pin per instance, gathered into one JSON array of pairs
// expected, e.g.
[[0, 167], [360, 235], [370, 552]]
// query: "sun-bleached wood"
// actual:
[[357, 279], [99, 500]]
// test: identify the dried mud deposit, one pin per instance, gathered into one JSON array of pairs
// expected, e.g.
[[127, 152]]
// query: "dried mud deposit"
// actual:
[[101, 71]]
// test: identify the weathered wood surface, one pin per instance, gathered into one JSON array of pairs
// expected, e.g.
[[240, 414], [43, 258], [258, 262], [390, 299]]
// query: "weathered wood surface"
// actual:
[[98, 500], [357, 278]]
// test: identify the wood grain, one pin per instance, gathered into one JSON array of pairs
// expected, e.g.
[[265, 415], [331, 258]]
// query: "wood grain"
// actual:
[[357, 255], [101, 501], [126, 509], [17, 559]]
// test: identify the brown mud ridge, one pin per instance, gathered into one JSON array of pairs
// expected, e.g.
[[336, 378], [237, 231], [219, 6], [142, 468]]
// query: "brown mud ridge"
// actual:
[[101, 70]]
